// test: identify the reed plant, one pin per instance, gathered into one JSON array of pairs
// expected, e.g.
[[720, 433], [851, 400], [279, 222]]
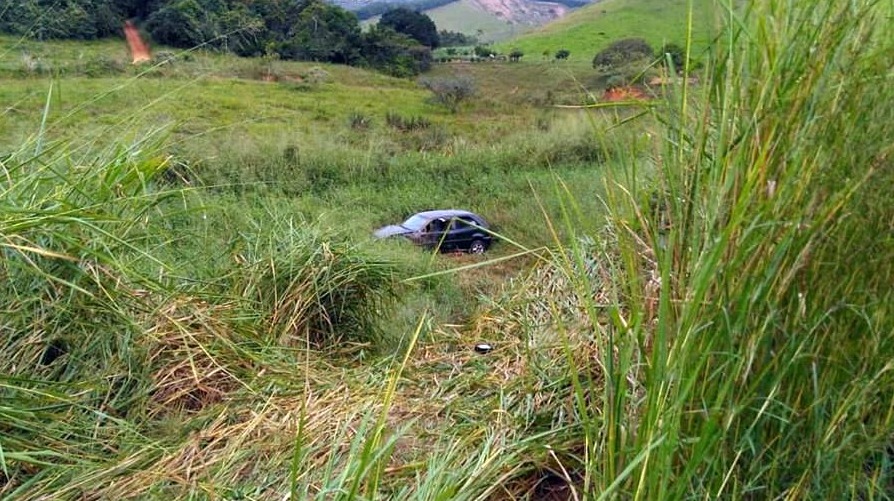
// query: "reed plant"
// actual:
[[744, 345]]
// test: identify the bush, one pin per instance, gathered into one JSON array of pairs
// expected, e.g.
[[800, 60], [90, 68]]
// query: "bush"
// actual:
[[400, 123], [315, 75], [675, 54], [484, 51], [450, 92], [359, 121], [623, 52], [102, 66]]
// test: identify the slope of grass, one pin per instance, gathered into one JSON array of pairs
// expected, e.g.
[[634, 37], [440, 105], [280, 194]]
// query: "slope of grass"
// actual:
[[464, 16], [587, 30], [724, 332]]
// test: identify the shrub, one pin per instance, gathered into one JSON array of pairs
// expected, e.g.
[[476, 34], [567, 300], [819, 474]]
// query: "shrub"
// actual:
[[484, 51], [102, 65], [674, 56], [623, 52], [316, 75], [32, 65], [449, 92], [359, 121], [400, 123]]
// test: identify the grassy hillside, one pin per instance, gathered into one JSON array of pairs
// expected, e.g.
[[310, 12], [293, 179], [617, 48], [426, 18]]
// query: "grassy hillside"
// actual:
[[184, 202], [589, 29], [464, 16], [691, 299], [327, 137]]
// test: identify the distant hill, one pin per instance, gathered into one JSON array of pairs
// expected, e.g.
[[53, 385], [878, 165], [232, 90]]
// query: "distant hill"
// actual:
[[589, 29], [490, 20], [468, 16]]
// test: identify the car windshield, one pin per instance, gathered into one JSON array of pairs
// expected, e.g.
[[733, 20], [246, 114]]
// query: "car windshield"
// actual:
[[415, 223]]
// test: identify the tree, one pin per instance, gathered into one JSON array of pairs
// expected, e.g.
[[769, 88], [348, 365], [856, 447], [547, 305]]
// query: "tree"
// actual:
[[141, 9], [623, 52], [323, 32], [77, 19], [179, 24], [562, 54], [516, 55], [413, 24], [450, 92], [455, 39], [243, 32], [394, 53]]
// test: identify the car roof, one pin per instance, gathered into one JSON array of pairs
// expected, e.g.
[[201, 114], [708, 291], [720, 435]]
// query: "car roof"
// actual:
[[446, 213]]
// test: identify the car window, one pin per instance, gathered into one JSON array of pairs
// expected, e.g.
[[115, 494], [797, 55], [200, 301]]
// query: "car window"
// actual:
[[437, 225], [461, 223], [468, 221], [415, 223]]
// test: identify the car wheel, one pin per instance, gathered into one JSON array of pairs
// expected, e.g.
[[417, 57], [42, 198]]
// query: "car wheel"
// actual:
[[477, 246]]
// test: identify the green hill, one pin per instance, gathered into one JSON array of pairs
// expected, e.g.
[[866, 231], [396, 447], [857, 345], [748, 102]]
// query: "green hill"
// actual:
[[590, 29], [465, 16]]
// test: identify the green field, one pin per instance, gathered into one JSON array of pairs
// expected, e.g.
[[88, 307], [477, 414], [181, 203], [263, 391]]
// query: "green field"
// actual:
[[690, 297], [587, 30], [220, 112]]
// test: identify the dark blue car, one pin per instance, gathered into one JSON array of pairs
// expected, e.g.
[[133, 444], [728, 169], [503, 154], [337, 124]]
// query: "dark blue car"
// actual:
[[445, 230]]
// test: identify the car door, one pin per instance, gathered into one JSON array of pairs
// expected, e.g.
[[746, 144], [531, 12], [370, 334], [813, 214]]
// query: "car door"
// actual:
[[461, 231], [451, 235], [434, 235]]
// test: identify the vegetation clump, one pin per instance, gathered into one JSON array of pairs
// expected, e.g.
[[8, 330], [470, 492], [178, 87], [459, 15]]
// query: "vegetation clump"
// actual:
[[623, 52], [414, 24], [311, 289], [449, 92]]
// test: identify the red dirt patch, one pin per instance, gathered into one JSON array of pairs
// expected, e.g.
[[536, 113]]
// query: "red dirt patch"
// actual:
[[624, 94]]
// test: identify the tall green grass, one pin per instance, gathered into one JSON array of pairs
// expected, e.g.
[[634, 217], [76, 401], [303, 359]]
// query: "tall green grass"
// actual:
[[744, 348], [122, 314]]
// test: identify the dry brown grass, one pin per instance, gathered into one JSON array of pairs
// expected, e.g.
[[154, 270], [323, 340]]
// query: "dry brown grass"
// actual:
[[187, 375]]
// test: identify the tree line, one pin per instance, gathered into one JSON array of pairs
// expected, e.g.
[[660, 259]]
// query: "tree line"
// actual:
[[309, 30]]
